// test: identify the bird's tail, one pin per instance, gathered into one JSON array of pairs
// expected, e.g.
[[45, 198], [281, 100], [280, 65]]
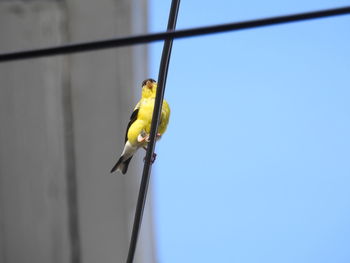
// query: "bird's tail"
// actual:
[[122, 165]]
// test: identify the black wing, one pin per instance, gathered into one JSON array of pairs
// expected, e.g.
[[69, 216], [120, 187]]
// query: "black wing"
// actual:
[[132, 119]]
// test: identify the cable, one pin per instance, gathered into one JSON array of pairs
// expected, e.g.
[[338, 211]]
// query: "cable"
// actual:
[[142, 39], [162, 76]]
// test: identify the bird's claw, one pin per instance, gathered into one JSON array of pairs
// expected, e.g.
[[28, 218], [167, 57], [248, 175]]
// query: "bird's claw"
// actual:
[[140, 138], [143, 137], [153, 158]]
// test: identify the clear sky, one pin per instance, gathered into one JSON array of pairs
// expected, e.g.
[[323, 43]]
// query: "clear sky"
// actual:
[[255, 165]]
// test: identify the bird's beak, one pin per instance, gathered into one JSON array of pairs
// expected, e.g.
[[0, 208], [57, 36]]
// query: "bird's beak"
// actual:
[[149, 84]]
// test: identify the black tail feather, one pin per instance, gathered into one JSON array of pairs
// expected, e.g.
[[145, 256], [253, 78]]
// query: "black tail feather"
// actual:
[[123, 165], [126, 165]]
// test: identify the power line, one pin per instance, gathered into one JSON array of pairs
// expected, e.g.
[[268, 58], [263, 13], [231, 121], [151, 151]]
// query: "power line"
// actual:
[[162, 76], [147, 38]]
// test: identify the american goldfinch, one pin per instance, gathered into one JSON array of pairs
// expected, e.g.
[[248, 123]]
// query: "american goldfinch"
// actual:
[[138, 130]]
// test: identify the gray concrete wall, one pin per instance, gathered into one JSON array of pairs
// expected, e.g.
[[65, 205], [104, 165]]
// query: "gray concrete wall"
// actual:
[[62, 127]]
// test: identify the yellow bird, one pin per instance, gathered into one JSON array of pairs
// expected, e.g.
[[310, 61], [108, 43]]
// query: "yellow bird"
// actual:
[[138, 130]]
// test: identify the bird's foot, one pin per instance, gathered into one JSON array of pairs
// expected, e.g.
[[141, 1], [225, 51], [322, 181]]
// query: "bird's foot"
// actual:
[[140, 138], [143, 137], [154, 156]]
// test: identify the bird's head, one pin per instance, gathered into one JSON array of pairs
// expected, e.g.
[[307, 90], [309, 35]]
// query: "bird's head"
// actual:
[[149, 88]]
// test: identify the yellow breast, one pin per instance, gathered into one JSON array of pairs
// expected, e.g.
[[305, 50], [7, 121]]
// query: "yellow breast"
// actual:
[[144, 119], [146, 112]]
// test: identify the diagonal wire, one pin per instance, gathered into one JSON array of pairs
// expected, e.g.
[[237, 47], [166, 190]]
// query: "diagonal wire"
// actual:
[[162, 76], [147, 38]]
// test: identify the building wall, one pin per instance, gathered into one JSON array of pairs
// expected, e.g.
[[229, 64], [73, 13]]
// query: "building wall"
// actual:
[[63, 122]]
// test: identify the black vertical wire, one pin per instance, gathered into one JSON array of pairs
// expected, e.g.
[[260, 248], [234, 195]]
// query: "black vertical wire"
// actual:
[[162, 76]]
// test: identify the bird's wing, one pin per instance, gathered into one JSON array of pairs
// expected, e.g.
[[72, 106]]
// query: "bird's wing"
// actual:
[[133, 118]]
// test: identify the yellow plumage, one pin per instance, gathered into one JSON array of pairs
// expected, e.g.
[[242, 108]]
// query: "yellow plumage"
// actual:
[[139, 127]]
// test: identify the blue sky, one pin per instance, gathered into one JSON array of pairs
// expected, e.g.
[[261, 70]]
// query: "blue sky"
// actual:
[[255, 165]]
